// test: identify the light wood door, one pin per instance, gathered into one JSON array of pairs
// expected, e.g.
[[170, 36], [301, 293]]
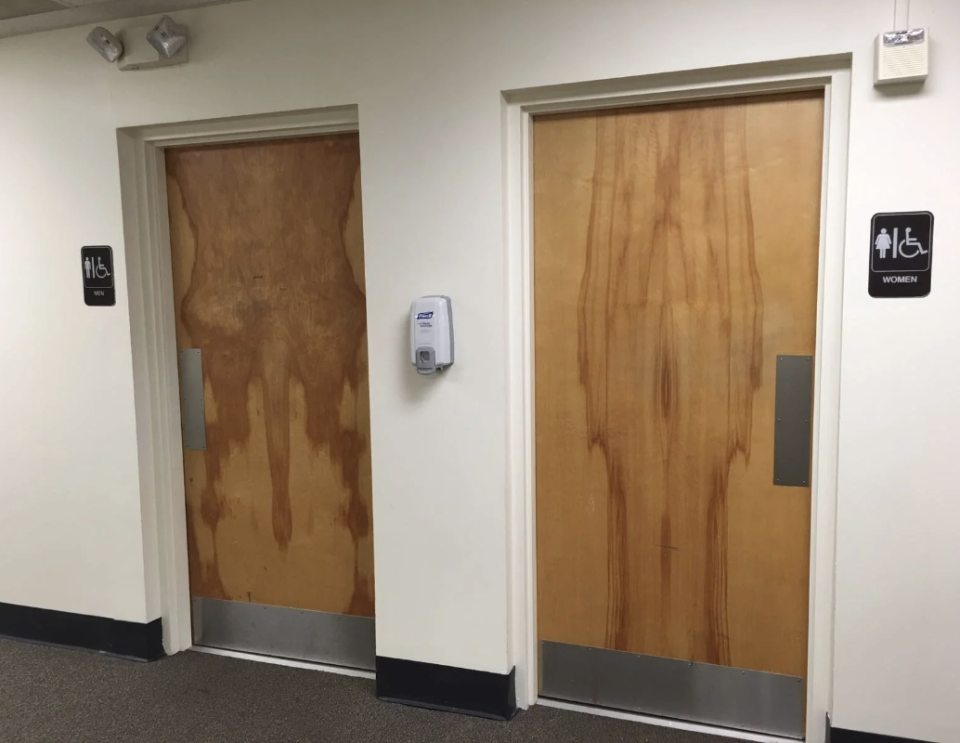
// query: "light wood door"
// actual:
[[269, 284], [676, 255]]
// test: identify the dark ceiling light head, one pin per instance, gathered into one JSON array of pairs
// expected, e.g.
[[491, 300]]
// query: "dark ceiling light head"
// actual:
[[107, 45], [168, 37]]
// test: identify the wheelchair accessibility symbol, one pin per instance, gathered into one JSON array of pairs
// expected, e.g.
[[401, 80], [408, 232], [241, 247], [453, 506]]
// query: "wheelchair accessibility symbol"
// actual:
[[901, 242], [99, 289], [909, 247], [97, 267], [95, 270], [901, 252]]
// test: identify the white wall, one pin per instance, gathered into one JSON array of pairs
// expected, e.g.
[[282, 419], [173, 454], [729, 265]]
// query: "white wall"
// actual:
[[69, 503], [427, 76]]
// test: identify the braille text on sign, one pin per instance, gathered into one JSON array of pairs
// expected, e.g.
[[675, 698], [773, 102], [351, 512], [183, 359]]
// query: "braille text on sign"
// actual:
[[99, 286], [901, 254]]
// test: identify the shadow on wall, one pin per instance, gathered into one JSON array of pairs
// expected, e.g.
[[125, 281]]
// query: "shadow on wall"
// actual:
[[899, 91]]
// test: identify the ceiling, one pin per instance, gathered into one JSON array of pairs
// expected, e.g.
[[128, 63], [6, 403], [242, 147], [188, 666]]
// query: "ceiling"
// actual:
[[29, 16]]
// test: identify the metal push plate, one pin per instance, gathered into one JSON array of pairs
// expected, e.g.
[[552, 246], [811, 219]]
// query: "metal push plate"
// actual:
[[192, 411], [794, 411]]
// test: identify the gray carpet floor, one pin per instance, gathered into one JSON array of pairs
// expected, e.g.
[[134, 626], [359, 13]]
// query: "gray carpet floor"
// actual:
[[50, 695]]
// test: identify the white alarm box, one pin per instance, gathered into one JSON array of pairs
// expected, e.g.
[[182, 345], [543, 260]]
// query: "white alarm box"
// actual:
[[902, 57], [431, 334]]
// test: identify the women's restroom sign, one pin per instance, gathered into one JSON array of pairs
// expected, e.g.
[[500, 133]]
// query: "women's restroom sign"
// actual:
[[901, 254], [99, 288]]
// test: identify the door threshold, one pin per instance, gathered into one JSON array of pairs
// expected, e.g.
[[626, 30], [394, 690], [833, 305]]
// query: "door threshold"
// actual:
[[664, 722], [277, 661]]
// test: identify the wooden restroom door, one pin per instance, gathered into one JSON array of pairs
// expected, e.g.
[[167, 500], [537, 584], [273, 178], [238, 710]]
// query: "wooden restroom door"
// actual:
[[676, 256], [268, 280]]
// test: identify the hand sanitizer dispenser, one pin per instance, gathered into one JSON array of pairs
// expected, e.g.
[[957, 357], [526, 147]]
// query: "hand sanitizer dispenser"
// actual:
[[431, 334]]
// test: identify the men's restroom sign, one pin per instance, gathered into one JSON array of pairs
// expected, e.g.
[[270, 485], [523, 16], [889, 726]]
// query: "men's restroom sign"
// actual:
[[99, 287], [901, 254]]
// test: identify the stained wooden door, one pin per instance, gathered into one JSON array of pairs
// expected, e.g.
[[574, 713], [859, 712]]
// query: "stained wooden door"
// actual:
[[269, 285], [676, 255]]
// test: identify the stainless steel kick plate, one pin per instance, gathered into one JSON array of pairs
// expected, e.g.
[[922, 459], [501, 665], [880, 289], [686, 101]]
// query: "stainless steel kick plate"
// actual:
[[314, 636], [192, 411], [794, 412], [667, 687]]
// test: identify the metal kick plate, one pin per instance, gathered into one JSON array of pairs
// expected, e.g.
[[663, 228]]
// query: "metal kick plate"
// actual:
[[666, 687], [192, 411], [314, 636], [794, 410]]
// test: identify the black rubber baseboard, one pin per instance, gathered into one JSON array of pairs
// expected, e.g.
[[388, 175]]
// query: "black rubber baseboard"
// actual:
[[839, 735], [446, 688], [112, 636]]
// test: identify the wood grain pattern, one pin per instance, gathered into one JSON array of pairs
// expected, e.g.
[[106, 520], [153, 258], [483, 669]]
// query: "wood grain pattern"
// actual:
[[269, 283], [676, 254]]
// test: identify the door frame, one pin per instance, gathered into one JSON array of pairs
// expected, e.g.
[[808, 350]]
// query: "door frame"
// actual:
[[830, 74], [156, 377]]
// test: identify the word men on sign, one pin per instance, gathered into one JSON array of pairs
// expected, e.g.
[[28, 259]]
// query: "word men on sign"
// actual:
[[99, 288], [901, 254]]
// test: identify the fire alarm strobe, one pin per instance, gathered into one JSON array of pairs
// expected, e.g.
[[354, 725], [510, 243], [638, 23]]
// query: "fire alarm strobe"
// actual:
[[902, 57]]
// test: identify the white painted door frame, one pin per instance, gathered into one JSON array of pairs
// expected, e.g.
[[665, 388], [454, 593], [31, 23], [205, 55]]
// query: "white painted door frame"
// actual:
[[153, 337], [832, 75]]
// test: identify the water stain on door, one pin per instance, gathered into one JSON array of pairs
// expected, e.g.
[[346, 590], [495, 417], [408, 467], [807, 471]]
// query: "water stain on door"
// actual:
[[268, 280]]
